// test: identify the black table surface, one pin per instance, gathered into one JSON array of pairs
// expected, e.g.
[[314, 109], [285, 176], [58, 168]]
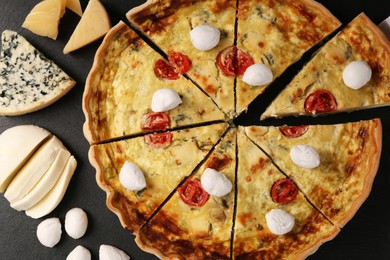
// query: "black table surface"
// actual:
[[366, 236]]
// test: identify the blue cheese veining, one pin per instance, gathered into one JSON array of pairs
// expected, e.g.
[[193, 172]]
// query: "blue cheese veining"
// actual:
[[28, 80]]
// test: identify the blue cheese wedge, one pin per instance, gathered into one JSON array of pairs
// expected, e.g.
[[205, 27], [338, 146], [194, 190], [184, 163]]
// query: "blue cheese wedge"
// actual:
[[28, 80]]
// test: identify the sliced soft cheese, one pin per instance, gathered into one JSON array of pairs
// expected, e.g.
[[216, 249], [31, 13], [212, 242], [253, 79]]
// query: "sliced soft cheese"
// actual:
[[51, 200], [45, 184], [75, 6], [17, 145], [34, 169], [28, 80], [45, 17], [93, 25]]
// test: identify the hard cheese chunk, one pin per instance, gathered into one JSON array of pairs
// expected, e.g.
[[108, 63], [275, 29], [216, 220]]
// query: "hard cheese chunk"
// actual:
[[94, 24], [75, 6], [45, 17], [28, 80]]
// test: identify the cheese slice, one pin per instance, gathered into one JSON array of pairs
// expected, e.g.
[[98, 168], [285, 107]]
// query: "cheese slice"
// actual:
[[34, 169], [28, 80], [51, 200], [93, 25], [17, 145], [75, 6], [45, 184], [45, 17]]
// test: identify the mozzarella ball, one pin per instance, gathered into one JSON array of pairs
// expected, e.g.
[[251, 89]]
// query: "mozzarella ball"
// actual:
[[49, 232], [356, 74], [76, 223], [131, 177], [205, 37], [305, 156], [257, 75], [165, 99], [215, 183], [279, 221], [107, 252], [79, 253]]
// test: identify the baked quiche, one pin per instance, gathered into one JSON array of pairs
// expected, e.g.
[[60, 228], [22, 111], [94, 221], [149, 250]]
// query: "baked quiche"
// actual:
[[273, 219], [350, 72], [122, 166], [195, 224], [334, 165], [271, 36], [126, 95], [177, 26]]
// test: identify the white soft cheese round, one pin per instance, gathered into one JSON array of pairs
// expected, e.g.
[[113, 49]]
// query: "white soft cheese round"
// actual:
[[79, 253], [49, 232], [205, 37], [107, 252], [131, 177], [356, 74], [215, 183], [76, 223], [279, 221], [257, 75], [165, 99], [305, 156]]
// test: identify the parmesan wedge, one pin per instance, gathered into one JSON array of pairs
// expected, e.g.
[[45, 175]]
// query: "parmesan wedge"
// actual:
[[34, 169], [45, 17], [45, 184], [93, 25], [51, 200], [74, 5], [17, 145]]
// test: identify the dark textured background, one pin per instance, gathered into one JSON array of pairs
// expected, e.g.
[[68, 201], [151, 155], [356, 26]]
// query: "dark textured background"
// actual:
[[366, 236]]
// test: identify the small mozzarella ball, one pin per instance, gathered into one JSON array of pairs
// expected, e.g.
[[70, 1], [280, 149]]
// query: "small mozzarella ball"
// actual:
[[79, 253], [76, 223], [131, 177], [107, 252], [205, 37], [305, 156], [215, 183], [356, 74], [165, 99], [49, 232], [279, 221], [257, 75]]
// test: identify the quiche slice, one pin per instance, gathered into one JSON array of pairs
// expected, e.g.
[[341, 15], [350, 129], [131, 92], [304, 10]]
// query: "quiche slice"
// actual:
[[319, 87], [165, 160], [28, 80], [168, 24], [117, 101], [263, 190], [196, 225], [348, 156], [277, 33]]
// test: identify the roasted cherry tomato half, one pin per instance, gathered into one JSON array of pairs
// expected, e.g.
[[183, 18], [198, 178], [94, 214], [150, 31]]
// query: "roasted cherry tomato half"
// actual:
[[164, 70], [233, 61], [284, 191], [159, 140], [155, 121], [180, 62], [192, 193], [320, 101], [293, 131]]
